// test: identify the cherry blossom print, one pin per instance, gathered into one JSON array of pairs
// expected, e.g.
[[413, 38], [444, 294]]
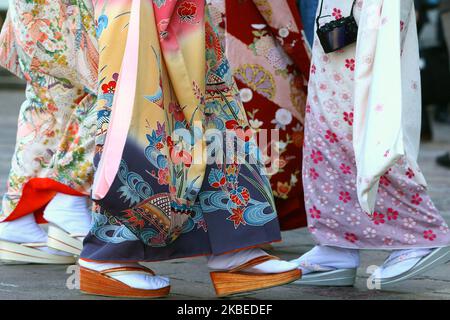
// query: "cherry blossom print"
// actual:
[[316, 156], [444, 228], [388, 241], [313, 174], [348, 117], [409, 238], [327, 188], [350, 64], [354, 219], [370, 233], [429, 235], [410, 173], [378, 218], [392, 214], [332, 237], [331, 174], [314, 213], [403, 211], [323, 87], [430, 218], [323, 200], [351, 237], [338, 210], [312, 229], [345, 169], [337, 13], [337, 77], [344, 196], [331, 223], [416, 199], [308, 108], [409, 222], [331, 136], [345, 96], [384, 181]]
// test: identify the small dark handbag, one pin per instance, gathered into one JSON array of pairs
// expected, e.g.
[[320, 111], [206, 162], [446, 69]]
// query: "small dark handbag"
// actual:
[[337, 34]]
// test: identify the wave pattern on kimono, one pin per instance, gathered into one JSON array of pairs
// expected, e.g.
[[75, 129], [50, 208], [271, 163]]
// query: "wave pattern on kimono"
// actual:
[[270, 63], [52, 45], [404, 215], [154, 202]]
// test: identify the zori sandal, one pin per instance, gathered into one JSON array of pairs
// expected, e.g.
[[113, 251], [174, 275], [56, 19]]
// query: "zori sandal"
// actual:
[[238, 281], [333, 278], [101, 283], [15, 253], [61, 240], [436, 258]]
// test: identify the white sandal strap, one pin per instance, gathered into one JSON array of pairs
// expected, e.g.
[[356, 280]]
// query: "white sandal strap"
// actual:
[[390, 261], [61, 240]]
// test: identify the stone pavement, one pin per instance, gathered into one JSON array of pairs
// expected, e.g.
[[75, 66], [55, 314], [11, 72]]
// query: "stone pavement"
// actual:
[[190, 278]]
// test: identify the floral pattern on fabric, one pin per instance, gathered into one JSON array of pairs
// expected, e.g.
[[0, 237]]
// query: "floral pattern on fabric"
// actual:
[[52, 45], [405, 216], [174, 205], [270, 64]]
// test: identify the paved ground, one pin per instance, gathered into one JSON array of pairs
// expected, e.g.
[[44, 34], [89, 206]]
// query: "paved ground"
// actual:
[[190, 278]]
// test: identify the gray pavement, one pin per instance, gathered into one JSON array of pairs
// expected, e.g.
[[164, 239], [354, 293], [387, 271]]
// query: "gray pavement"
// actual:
[[190, 278]]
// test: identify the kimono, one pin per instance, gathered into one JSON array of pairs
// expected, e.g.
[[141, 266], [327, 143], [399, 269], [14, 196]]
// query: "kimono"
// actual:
[[52, 45], [363, 187], [167, 184], [270, 63]]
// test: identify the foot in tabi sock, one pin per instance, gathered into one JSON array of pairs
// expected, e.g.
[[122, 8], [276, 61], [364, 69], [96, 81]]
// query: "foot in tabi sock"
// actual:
[[236, 259], [325, 258], [400, 261], [130, 280], [24, 241], [70, 213], [402, 265], [137, 280], [22, 230], [70, 220], [328, 266], [249, 270]]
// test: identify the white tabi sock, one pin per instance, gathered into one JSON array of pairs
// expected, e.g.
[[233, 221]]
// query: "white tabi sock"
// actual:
[[22, 230], [71, 213], [325, 258], [137, 281], [235, 259], [400, 261], [26, 230]]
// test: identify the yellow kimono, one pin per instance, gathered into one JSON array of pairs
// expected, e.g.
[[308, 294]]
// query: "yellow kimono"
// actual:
[[167, 184]]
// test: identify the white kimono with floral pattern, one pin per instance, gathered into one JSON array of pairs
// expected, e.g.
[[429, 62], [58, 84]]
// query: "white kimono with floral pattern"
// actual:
[[363, 187]]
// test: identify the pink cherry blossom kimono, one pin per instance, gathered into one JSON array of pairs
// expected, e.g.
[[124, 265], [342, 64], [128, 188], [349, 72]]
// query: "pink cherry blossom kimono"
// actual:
[[363, 188]]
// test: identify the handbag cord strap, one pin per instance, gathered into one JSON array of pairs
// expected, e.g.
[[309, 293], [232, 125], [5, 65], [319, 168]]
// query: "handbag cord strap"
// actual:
[[320, 12]]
